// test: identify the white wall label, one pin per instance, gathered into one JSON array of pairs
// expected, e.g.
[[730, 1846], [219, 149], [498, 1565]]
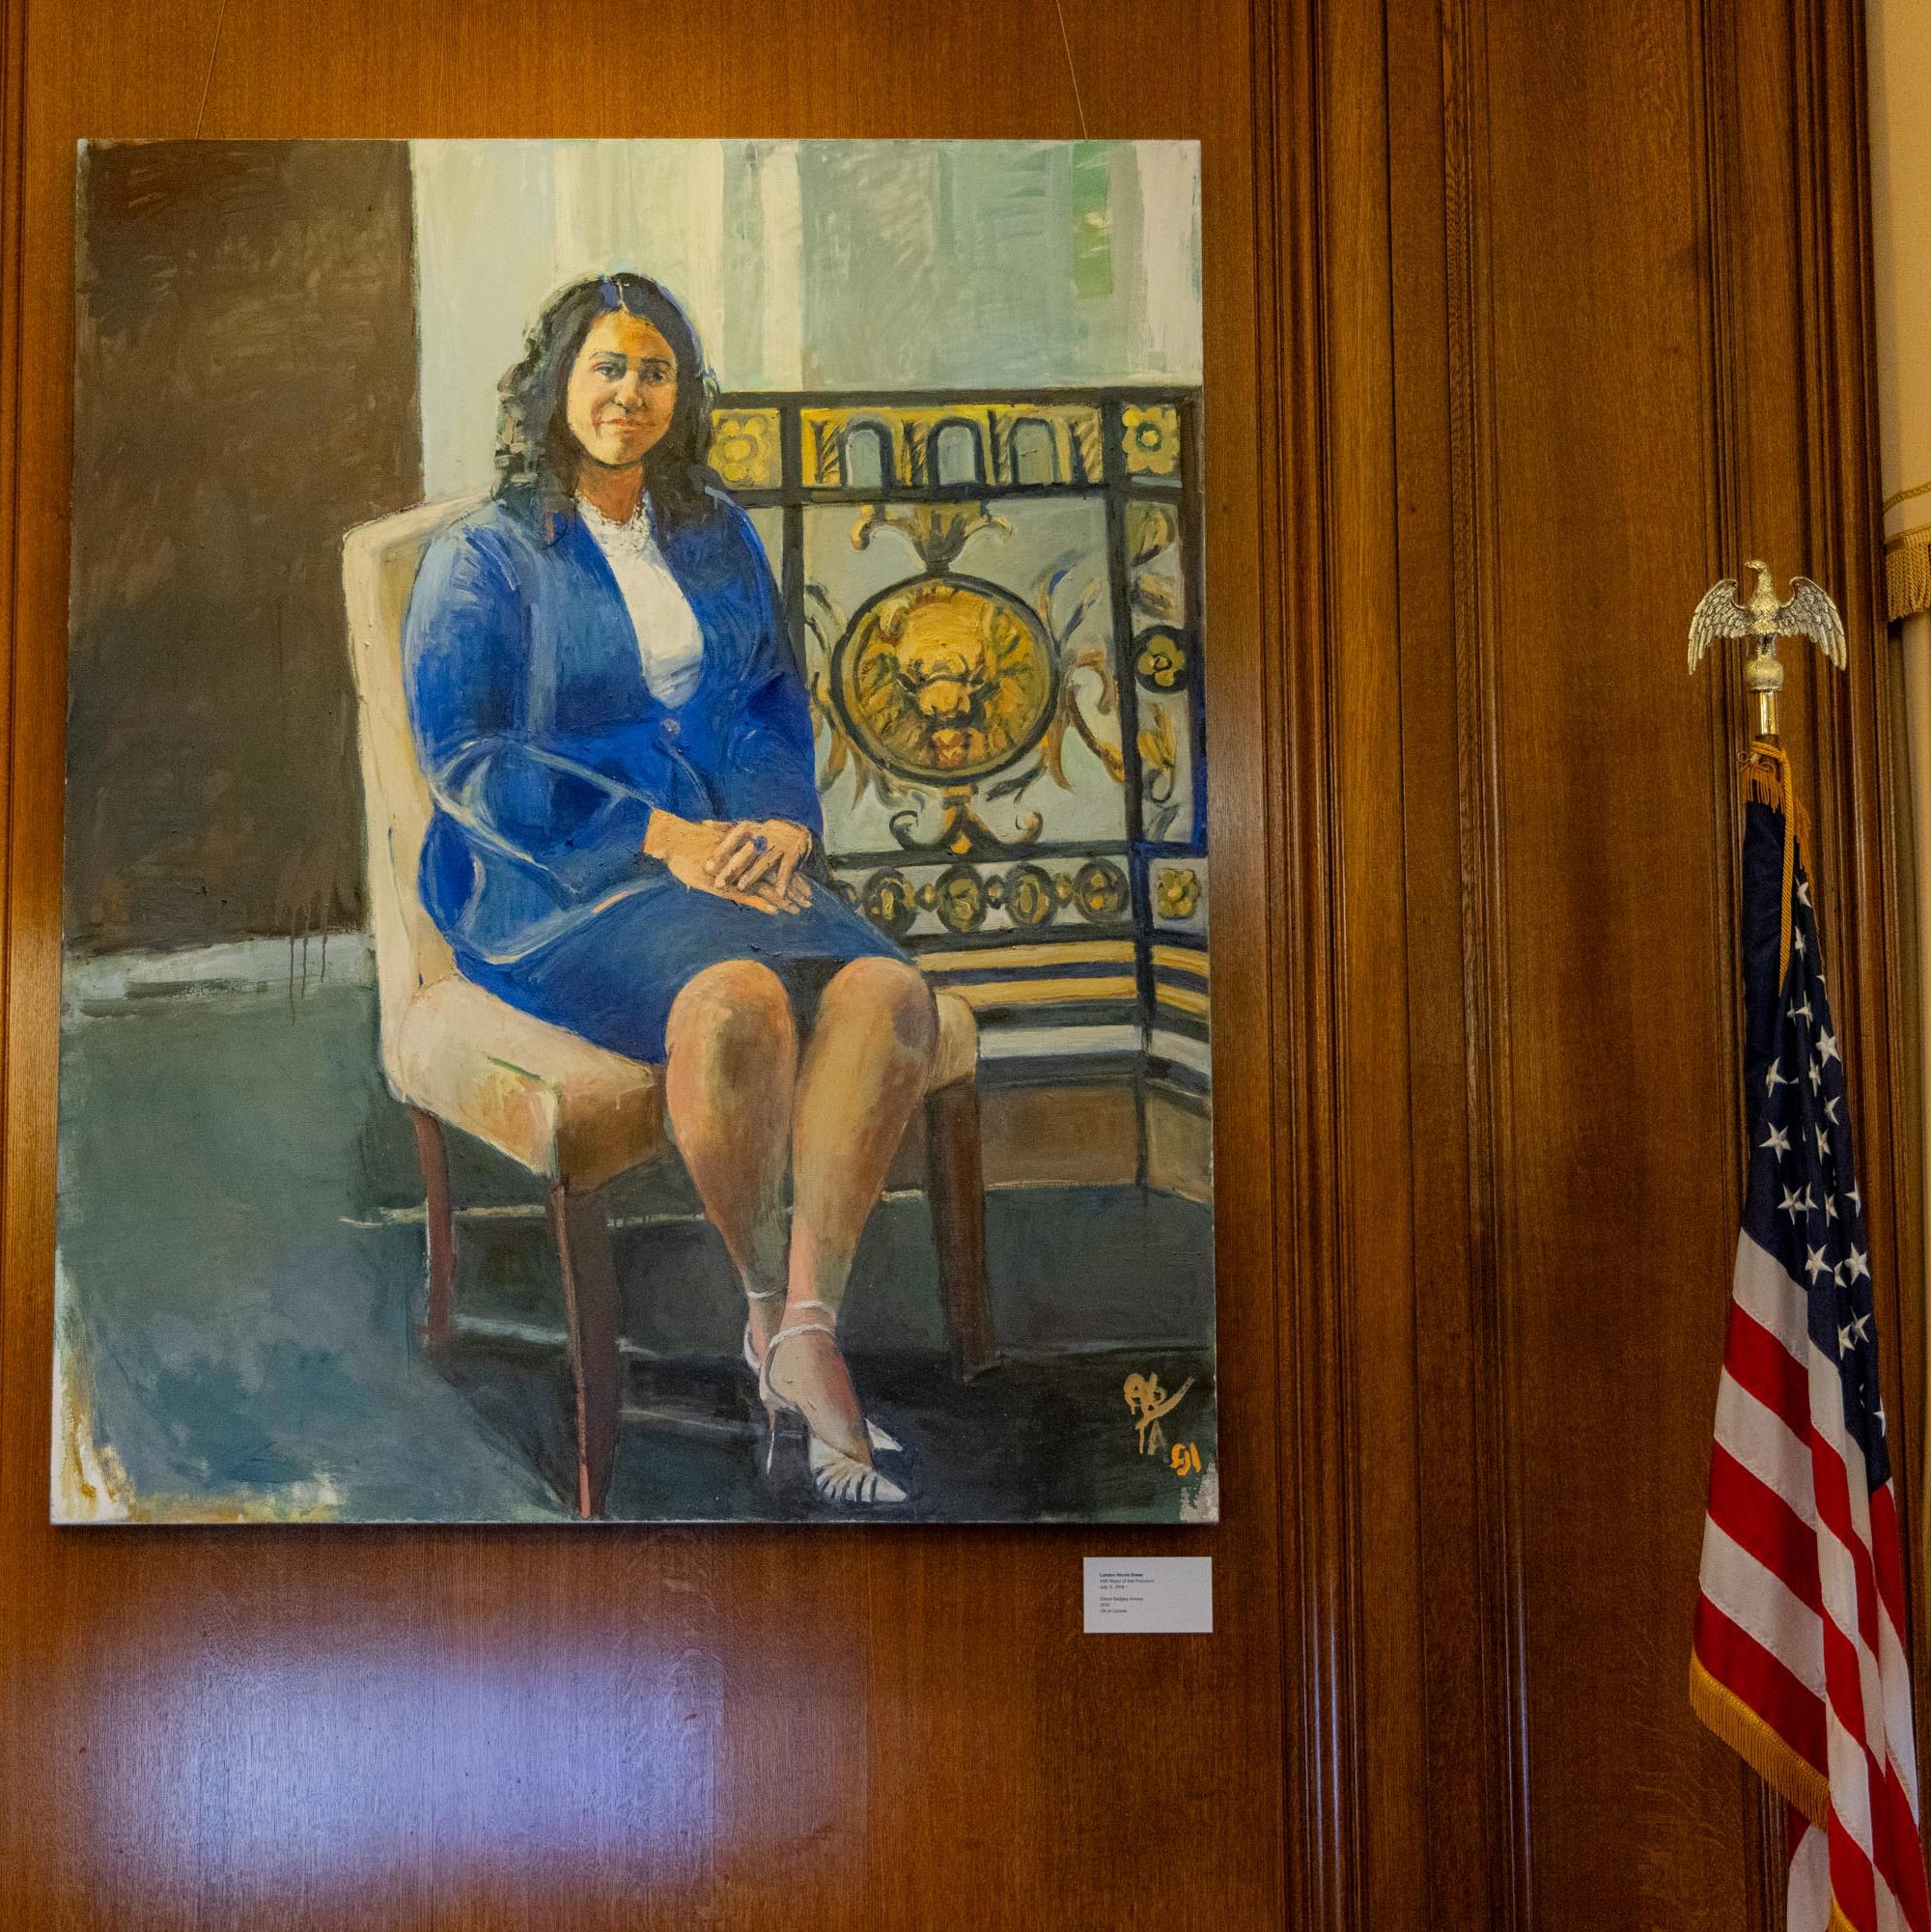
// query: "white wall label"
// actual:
[[1149, 1593]]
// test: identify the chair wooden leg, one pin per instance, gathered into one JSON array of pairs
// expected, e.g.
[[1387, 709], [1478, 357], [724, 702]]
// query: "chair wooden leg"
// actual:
[[956, 1188], [582, 1234], [439, 1218]]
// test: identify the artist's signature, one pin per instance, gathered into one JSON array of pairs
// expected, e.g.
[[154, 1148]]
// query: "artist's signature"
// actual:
[[1148, 1403]]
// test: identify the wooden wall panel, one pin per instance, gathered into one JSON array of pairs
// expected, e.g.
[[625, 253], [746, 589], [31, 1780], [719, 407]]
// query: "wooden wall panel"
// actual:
[[634, 1728], [1525, 322], [1614, 343], [1610, 1048]]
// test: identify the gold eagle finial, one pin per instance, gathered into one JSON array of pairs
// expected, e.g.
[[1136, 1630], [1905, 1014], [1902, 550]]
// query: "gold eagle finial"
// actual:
[[1808, 613]]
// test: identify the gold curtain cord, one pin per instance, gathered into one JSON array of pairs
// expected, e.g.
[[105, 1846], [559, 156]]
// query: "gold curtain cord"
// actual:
[[1907, 571], [1898, 496]]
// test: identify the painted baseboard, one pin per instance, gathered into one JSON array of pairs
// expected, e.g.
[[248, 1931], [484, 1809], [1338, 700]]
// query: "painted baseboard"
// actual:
[[292, 966]]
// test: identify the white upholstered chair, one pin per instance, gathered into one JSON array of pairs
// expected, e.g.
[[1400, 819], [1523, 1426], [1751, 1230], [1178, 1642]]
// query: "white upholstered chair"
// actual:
[[572, 1113]]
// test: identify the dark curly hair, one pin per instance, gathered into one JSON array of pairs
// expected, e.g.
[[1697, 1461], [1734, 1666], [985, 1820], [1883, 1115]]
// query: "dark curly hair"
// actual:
[[536, 453]]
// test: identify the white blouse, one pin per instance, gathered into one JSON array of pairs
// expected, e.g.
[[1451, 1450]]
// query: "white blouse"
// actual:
[[669, 641]]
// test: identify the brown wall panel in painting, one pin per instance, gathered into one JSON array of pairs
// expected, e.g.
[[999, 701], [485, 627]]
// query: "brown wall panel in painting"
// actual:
[[252, 310]]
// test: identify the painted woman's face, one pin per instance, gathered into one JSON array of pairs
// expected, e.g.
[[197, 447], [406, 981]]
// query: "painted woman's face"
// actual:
[[622, 387]]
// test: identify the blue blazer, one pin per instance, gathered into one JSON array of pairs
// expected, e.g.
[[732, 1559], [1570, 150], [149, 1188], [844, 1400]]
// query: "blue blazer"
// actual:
[[543, 748]]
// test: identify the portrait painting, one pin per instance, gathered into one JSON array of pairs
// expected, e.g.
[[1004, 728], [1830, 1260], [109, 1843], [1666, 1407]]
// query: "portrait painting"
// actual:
[[637, 885]]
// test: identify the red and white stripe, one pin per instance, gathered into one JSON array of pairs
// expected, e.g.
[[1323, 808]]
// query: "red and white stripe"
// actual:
[[1800, 1619]]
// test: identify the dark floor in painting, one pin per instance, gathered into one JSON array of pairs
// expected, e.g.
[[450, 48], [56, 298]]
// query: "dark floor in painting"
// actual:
[[1033, 1441], [241, 1254]]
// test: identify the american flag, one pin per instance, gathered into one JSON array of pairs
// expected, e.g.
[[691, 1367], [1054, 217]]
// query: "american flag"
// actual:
[[1799, 1660]]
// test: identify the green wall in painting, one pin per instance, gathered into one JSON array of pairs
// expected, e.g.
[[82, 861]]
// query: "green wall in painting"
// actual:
[[1016, 264]]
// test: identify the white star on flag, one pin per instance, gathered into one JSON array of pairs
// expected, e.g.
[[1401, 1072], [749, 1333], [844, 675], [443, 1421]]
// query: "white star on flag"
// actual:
[[1816, 1265], [1779, 1141], [1827, 1047]]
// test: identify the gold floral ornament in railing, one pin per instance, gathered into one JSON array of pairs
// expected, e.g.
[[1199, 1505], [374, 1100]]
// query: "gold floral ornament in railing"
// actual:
[[1176, 891], [1151, 530], [961, 897], [1160, 767], [1158, 596], [1150, 439], [1091, 663], [1160, 662], [745, 448]]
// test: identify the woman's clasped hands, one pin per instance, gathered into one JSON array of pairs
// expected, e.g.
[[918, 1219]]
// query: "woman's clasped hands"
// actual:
[[754, 862]]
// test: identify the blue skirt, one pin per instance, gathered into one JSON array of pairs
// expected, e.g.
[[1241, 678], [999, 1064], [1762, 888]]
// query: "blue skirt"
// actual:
[[612, 978]]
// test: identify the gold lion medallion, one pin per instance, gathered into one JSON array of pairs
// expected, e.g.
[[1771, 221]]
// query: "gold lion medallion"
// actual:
[[944, 680]]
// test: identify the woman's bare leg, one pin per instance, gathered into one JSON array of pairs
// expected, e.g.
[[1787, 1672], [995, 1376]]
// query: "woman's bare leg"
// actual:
[[863, 1071], [728, 1091]]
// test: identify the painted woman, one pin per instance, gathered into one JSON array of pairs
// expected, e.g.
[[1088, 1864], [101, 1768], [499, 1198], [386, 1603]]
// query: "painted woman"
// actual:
[[627, 831]]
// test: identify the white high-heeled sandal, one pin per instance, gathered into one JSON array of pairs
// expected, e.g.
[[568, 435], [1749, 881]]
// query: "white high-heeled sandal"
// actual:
[[880, 1442], [758, 1295], [835, 1475]]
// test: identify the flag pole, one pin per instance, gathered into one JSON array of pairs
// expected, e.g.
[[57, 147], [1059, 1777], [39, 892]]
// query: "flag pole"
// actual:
[[1763, 680], [1770, 763], [1764, 620]]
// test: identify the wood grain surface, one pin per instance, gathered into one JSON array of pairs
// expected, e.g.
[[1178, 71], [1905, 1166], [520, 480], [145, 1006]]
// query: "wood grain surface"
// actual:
[[1597, 330], [1524, 324], [614, 1728]]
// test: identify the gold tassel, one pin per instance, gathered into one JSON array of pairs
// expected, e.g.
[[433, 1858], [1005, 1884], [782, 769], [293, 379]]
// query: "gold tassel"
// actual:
[[1907, 574], [1767, 780], [1764, 785], [1751, 1737]]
